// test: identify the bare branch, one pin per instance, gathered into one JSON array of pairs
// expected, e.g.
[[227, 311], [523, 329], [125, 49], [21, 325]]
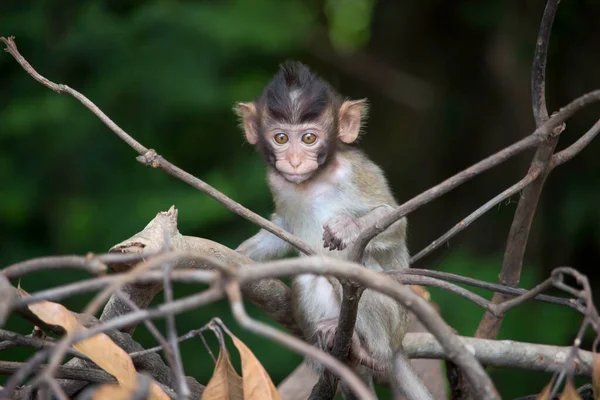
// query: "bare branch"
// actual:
[[341, 370], [462, 225], [30, 341], [81, 374], [431, 194], [592, 318], [502, 308], [489, 286], [405, 381], [11, 48], [326, 387], [297, 385], [540, 135], [182, 388], [152, 329], [521, 225], [191, 334], [90, 263], [56, 389], [567, 154], [502, 353], [21, 373]]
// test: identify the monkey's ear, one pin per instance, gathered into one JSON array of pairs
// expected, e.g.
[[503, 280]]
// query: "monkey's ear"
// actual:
[[247, 113], [351, 115]]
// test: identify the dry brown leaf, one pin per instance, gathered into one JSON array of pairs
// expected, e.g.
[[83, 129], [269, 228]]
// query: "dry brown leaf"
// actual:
[[225, 382], [257, 383], [569, 393], [545, 393], [99, 348], [112, 392], [596, 376]]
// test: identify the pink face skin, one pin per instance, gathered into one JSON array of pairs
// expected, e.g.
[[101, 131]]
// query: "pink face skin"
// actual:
[[296, 149]]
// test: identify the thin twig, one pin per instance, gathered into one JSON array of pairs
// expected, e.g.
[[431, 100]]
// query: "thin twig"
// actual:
[[22, 372], [37, 343], [406, 383], [462, 225], [191, 334], [85, 286], [592, 318], [402, 275], [327, 385], [182, 388], [512, 291], [567, 154], [104, 295], [92, 264], [503, 307], [151, 328], [56, 389]]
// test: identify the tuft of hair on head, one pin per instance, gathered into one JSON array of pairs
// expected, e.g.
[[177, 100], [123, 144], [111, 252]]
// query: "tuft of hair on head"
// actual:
[[296, 74], [297, 95]]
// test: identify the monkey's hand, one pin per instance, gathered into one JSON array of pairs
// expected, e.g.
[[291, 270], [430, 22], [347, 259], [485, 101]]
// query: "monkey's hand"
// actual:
[[324, 339], [340, 231]]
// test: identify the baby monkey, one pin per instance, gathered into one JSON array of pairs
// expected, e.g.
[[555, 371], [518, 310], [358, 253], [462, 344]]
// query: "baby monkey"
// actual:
[[325, 192]]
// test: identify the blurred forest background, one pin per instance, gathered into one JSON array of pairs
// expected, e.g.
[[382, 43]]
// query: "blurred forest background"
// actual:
[[448, 83]]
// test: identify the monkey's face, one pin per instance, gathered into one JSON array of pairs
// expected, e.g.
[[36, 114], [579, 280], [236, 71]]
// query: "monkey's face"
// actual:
[[296, 150]]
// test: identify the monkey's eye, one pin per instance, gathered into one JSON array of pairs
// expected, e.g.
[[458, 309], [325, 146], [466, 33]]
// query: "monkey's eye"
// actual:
[[281, 138], [309, 138]]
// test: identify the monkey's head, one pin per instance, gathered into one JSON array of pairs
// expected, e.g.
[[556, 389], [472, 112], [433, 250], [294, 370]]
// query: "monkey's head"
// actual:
[[299, 120]]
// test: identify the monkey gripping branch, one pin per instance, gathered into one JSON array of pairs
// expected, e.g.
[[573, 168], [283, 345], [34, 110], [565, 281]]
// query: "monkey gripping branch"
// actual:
[[355, 240]]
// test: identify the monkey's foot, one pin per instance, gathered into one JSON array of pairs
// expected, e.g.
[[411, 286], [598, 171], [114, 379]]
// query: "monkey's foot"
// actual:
[[324, 338], [339, 232]]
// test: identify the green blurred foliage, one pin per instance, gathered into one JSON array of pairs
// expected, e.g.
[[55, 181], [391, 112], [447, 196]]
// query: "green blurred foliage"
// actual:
[[169, 73]]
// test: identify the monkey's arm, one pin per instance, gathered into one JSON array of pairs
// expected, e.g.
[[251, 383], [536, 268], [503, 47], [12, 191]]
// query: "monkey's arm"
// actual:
[[388, 248], [264, 245]]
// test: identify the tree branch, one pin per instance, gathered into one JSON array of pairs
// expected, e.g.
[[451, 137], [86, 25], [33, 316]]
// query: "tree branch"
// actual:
[[405, 381], [567, 154], [502, 353], [519, 231]]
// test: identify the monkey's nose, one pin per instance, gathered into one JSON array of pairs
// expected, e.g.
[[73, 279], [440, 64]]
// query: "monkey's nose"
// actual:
[[295, 162]]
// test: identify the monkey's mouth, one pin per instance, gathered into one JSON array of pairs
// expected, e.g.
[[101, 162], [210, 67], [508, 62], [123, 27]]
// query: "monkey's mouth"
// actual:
[[295, 178]]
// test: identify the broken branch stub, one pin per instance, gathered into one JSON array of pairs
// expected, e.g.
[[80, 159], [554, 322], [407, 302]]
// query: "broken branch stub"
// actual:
[[270, 295]]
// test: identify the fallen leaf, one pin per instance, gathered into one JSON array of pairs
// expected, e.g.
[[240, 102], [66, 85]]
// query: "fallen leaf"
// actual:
[[99, 348], [256, 381], [569, 393], [225, 382], [112, 392]]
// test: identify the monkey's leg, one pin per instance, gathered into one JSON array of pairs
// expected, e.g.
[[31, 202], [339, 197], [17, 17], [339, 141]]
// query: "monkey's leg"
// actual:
[[324, 338]]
